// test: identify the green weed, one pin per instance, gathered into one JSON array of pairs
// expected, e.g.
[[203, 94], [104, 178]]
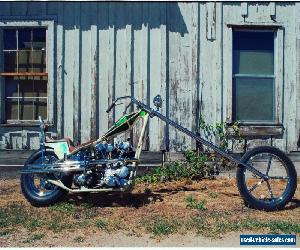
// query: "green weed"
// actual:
[[63, 207], [159, 226], [79, 239], [213, 195], [102, 224], [191, 202], [6, 232], [57, 225], [34, 223], [34, 237]]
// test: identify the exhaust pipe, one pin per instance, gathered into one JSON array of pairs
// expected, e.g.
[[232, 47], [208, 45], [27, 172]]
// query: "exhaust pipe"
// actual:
[[64, 167], [84, 189]]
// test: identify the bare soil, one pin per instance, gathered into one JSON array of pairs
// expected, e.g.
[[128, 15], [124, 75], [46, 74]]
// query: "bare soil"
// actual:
[[152, 215]]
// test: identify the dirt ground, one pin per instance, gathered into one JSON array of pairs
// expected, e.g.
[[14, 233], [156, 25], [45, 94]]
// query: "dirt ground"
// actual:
[[181, 213]]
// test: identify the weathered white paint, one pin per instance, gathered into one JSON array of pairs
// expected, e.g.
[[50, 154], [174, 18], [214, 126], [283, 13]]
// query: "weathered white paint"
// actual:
[[183, 51]]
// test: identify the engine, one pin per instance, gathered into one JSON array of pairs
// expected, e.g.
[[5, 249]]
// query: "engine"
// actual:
[[105, 166]]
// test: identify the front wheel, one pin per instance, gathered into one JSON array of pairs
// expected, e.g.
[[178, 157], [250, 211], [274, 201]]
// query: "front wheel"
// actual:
[[271, 194], [35, 187]]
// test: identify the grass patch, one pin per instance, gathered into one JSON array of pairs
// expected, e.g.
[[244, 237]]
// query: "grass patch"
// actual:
[[63, 207], [213, 195], [79, 239], [6, 232], [34, 224], [102, 224], [57, 225], [12, 215], [34, 237], [191, 202], [214, 226], [160, 226], [86, 205]]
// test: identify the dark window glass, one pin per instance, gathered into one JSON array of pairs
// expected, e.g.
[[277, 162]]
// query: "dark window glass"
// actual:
[[253, 99], [11, 87], [39, 39], [10, 39], [253, 76], [40, 106], [26, 109], [11, 109], [25, 73], [25, 39], [253, 52], [10, 61]]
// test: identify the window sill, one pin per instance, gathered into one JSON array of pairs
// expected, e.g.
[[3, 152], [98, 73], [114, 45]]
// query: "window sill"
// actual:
[[256, 131], [24, 124]]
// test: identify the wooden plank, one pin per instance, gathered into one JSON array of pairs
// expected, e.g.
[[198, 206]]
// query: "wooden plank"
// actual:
[[244, 9], [297, 32], [195, 78], [155, 49], [290, 78], [94, 77], [77, 73], [112, 62], [122, 60], [19, 8], [5, 9], [86, 70], [211, 20], [219, 63], [37, 8], [256, 131], [186, 85], [50, 55], [24, 74], [68, 76], [2, 86], [272, 6], [139, 61], [60, 38], [105, 63]]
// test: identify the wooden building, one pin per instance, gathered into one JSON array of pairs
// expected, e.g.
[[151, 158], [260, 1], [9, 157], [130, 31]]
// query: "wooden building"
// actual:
[[223, 61]]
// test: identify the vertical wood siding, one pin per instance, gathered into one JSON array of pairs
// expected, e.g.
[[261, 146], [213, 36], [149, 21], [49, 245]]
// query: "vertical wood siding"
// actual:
[[103, 50]]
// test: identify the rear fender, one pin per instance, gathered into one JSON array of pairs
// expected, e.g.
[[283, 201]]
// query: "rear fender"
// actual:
[[60, 148]]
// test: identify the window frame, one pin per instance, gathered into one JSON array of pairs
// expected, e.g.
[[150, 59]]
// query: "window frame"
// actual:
[[260, 76], [278, 72], [49, 25]]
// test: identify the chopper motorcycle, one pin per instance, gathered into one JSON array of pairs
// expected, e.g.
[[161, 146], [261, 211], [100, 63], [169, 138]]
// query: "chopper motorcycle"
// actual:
[[266, 177]]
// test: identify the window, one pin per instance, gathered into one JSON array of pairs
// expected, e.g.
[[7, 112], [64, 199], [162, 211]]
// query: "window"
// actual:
[[24, 73], [253, 76]]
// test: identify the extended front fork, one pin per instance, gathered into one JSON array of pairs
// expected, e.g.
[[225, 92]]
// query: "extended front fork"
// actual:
[[138, 151]]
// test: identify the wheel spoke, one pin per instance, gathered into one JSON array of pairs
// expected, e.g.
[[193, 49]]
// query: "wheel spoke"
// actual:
[[269, 165], [255, 186], [270, 190], [279, 177]]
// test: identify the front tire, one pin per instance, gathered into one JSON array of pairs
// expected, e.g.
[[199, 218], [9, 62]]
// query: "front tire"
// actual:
[[260, 194], [42, 194]]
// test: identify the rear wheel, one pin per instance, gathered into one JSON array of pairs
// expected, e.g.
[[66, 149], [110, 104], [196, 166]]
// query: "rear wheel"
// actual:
[[271, 194], [35, 187]]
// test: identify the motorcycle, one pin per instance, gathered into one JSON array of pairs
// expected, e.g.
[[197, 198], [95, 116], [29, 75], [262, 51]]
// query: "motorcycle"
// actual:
[[266, 177]]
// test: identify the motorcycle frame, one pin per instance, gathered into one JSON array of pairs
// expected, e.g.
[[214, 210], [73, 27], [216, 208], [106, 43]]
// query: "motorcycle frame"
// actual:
[[193, 135], [150, 113]]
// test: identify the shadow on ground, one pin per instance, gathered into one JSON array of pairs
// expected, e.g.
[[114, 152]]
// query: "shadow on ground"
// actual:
[[115, 200]]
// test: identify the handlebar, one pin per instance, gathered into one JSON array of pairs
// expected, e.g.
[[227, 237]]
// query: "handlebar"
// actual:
[[132, 100], [111, 107]]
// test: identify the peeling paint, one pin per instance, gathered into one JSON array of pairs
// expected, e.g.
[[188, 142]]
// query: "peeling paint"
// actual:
[[179, 50]]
